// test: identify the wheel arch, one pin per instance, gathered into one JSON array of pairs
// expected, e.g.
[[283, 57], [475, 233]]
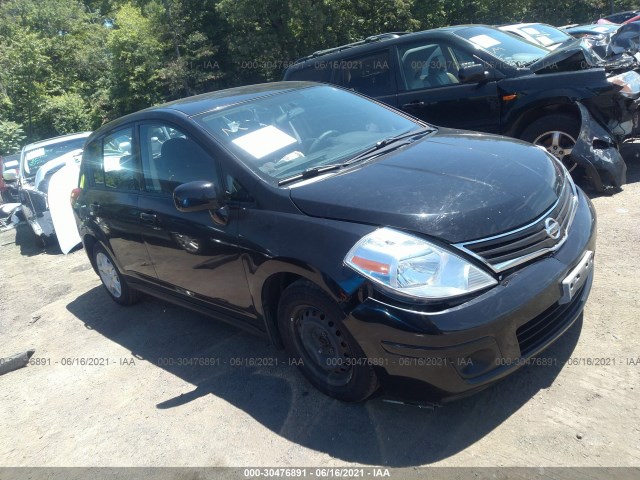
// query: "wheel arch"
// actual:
[[534, 113], [274, 276]]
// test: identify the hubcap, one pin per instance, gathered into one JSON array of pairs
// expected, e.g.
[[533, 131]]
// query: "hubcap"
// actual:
[[326, 350], [560, 145], [109, 275]]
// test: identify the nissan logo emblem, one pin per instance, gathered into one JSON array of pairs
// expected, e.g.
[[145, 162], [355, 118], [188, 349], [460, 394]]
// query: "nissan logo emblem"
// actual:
[[552, 227]]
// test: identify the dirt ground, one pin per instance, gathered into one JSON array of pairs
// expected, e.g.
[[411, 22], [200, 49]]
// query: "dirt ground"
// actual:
[[141, 407]]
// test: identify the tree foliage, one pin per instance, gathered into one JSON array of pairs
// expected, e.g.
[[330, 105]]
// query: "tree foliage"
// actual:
[[68, 65]]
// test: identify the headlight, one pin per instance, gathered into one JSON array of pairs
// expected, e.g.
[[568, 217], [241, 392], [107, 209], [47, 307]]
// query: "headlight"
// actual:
[[630, 83], [413, 267]]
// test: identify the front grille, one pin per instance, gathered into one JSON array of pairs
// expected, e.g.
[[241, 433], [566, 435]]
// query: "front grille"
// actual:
[[513, 248], [547, 325]]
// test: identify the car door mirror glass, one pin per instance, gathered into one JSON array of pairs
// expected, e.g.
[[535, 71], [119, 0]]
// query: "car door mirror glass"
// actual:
[[473, 73], [196, 196]]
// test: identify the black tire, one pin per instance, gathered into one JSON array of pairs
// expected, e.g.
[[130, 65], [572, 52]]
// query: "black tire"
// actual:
[[540, 132], [312, 331], [124, 294]]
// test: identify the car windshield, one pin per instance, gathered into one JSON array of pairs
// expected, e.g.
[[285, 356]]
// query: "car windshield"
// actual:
[[595, 29], [504, 46], [283, 135], [545, 34], [37, 156]]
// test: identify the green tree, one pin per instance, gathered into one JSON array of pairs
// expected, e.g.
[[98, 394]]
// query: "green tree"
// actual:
[[67, 113], [135, 60], [11, 137]]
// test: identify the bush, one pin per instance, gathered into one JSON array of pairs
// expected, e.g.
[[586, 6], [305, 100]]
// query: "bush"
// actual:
[[63, 114], [11, 137]]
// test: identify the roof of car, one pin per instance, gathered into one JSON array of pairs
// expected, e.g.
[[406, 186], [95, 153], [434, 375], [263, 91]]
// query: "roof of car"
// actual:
[[385, 37], [220, 99], [54, 140], [207, 102]]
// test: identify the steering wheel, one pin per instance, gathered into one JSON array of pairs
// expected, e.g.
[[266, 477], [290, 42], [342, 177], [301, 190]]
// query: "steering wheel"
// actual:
[[321, 139]]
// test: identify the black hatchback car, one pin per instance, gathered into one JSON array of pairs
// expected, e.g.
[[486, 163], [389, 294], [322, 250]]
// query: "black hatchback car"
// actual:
[[574, 102], [381, 251]]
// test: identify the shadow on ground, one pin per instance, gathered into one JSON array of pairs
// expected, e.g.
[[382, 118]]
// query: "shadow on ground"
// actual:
[[277, 396], [29, 245]]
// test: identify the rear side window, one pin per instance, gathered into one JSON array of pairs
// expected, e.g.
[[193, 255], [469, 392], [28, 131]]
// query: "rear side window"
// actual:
[[118, 162], [92, 159], [369, 74]]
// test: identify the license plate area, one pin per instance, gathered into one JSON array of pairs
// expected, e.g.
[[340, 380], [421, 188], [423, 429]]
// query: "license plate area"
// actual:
[[576, 278]]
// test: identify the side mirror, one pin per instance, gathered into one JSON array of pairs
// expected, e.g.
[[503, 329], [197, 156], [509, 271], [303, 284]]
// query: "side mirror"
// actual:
[[473, 74], [196, 196], [10, 175]]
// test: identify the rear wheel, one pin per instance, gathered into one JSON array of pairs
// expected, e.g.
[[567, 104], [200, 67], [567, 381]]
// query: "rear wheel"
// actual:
[[311, 328], [557, 134], [112, 279]]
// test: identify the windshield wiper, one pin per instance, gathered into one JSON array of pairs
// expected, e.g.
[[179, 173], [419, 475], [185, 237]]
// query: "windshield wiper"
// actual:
[[413, 135], [315, 171], [310, 173]]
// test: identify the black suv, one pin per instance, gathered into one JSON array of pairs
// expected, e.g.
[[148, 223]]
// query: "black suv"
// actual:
[[378, 249], [572, 102]]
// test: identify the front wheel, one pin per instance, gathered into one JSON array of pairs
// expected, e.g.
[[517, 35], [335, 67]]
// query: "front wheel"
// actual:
[[557, 134], [311, 328], [112, 280]]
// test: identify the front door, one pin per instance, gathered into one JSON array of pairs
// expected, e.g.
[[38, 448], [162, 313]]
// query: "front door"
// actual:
[[430, 88], [194, 253]]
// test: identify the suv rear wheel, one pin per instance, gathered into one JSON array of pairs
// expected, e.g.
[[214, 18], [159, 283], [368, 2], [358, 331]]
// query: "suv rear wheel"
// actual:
[[557, 134], [112, 279], [311, 328]]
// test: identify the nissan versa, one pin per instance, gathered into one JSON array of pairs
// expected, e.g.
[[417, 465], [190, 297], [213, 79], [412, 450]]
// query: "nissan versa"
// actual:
[[380, 250]]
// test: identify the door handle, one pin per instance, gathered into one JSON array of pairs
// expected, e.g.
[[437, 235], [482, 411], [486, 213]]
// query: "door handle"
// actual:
[[148, 217], [417, 103]]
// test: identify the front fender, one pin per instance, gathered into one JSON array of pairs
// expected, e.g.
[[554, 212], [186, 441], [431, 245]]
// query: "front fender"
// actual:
[[597, 151]]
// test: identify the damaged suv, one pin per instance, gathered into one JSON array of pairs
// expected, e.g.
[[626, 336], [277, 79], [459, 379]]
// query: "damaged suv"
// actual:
[[575, 103]]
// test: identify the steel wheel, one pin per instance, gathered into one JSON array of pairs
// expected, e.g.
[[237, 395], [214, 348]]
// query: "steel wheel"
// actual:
[[108, 275], [320, 338], [312, 330]]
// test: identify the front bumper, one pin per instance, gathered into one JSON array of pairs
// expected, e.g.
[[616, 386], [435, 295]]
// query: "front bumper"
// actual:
[[446, 354]]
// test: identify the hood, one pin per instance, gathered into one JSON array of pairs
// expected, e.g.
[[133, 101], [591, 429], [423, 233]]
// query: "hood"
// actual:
[[614, 51], [456, 186]]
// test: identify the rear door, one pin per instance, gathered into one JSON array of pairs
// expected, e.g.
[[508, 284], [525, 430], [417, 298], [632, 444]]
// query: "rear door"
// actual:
[[113, 173], [196, 253], [430, 87], [370, 74]]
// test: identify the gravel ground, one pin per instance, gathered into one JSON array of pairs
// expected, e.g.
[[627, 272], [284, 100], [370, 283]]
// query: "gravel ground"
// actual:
[[145, 409]]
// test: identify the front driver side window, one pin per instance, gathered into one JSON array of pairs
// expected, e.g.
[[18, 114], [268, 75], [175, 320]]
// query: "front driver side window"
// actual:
[[431, 65], [170, 158]]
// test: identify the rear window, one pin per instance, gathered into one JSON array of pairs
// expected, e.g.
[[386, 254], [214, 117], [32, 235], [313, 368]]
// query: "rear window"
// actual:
[[317, 71]]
